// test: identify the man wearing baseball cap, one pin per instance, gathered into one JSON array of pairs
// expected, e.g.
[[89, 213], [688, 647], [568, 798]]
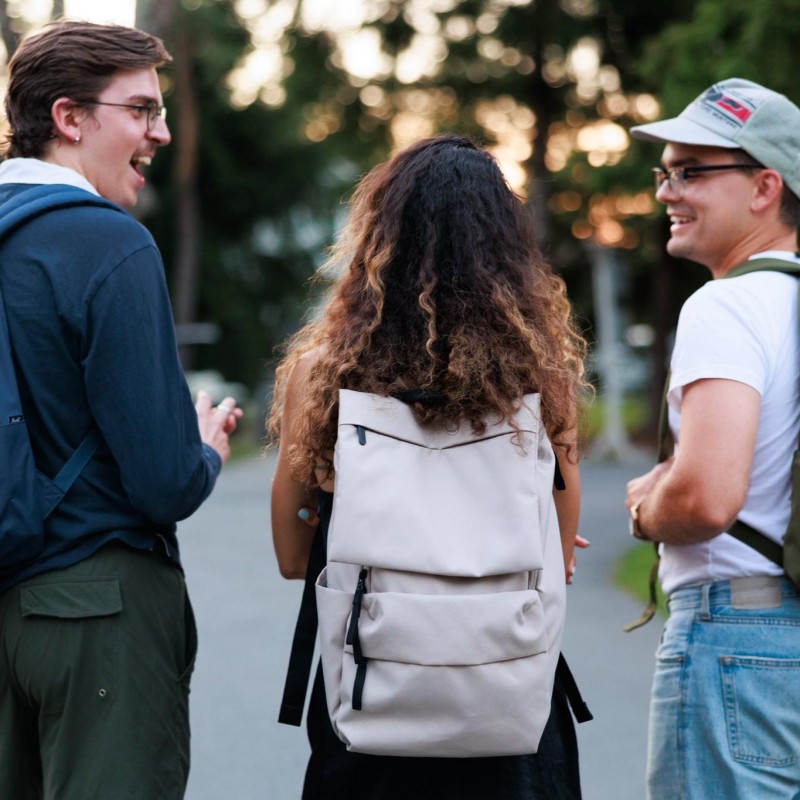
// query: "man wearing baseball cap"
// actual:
[[724, 716]]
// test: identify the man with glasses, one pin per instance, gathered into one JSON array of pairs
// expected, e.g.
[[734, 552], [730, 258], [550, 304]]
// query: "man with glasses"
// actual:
[[153, 110], [97, 638], [724, 717]]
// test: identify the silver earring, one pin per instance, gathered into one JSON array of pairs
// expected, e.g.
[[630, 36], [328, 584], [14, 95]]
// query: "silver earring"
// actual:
[[77, 139]]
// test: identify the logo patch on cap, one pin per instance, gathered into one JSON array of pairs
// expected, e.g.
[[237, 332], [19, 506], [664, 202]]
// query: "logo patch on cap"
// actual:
[[733, 110]]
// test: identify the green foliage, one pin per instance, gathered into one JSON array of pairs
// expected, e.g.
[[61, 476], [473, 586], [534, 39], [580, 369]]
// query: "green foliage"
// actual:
[[271, 199], [725, 39], [268, 197], [709, 41]]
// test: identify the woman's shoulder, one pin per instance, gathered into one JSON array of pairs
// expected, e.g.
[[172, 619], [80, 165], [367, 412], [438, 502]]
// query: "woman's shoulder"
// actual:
[[311, 357], [305, 362]]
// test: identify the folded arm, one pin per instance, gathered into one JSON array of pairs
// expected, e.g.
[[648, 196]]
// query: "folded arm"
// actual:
[[698, 494]]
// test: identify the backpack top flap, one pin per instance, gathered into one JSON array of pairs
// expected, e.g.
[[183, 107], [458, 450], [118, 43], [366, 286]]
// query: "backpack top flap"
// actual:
[[396, 418], [439, 501]]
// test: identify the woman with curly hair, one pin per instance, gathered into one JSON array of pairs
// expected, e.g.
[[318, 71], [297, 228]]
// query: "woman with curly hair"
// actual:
[[441, 290]]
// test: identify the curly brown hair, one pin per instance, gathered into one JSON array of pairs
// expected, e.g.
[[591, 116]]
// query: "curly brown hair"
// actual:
[[444, 290]]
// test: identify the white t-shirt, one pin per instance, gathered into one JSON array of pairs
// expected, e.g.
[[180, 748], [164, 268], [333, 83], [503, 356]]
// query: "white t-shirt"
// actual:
[[743, 329]]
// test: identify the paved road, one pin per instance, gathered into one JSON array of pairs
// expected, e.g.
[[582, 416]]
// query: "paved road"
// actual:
[[246, 613]]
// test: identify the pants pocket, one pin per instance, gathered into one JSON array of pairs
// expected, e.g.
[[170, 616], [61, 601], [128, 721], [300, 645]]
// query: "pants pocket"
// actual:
[[72, 599], [761, 714], [71, 645]]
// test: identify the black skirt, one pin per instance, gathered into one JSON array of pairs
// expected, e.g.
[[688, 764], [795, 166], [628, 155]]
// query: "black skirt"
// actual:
[[335, 774]]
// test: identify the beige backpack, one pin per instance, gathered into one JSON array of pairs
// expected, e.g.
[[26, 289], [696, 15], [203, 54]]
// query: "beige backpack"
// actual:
[[442, 605]]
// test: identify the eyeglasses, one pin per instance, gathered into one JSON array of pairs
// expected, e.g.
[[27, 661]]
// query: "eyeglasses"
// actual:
[[153, 110], [676, 177]]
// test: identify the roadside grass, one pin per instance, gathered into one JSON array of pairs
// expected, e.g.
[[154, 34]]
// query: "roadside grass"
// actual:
[[632, 574]]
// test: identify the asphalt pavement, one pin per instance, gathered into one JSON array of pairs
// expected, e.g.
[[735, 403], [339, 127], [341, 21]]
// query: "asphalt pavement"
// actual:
[[246, 614]]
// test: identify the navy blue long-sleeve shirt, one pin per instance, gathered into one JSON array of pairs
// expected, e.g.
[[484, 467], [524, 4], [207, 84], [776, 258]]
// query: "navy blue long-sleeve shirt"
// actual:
[[93, 339]]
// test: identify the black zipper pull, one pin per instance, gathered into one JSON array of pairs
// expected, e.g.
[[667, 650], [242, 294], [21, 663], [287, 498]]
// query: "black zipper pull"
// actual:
[[352, 639], [352, 628]]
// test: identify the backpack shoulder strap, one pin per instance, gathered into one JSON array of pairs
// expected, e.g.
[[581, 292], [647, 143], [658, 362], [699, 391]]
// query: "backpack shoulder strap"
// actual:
[[741, 530], [570, 688], [31, 203], [14, 213], [764, 265], [305, 632]]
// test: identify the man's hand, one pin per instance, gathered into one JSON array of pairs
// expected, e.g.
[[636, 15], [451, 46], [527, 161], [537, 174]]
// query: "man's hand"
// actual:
[[639, 487], [217, 423]]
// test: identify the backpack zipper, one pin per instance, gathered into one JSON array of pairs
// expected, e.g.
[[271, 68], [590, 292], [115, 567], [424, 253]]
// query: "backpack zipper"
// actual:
[[352, 638]]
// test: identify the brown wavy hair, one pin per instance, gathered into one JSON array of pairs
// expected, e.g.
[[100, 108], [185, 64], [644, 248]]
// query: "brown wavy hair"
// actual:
[[73, 59], [441, 288]]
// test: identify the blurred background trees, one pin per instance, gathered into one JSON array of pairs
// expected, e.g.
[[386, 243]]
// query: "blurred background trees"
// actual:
[[277, 106]]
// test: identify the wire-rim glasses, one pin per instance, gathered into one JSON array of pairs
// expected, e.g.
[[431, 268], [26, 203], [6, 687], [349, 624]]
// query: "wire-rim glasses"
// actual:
[[676, 176], [153, 110]]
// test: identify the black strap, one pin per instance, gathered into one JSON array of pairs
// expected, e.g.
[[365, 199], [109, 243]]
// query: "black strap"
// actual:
[[559, 484], [758, 541], [358, 684], [567, 681], [305, 635]]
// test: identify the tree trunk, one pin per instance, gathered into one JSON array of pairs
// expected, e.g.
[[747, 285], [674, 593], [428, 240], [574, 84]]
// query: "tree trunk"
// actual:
[[187, 261], [156, 16], [661, 300], [162, 18], [542, 102], [10, 38]]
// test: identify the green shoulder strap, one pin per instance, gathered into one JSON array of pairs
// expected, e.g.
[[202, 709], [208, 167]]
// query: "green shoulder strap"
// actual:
[[786, 557], [762, 265]]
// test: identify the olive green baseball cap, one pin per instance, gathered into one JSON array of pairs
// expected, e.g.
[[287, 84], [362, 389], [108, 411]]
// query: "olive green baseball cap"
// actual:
[[737, 113]]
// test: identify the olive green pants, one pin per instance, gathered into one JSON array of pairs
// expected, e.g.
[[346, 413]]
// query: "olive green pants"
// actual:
[[95, 662]]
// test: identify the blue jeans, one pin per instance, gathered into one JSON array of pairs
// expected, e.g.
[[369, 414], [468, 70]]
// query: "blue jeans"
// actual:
[[725, 705]]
